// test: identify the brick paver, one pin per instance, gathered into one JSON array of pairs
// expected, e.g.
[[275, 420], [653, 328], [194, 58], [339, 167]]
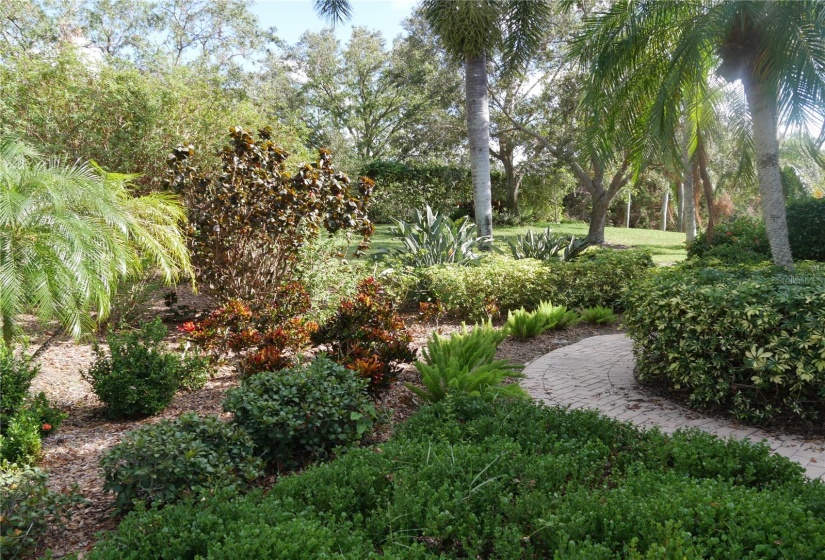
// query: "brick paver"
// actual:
[[597, 373]]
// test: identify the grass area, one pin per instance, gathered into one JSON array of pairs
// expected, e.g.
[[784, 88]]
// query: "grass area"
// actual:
[[665, 246]]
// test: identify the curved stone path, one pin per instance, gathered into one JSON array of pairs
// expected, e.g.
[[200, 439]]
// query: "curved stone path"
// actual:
[[597, 373]]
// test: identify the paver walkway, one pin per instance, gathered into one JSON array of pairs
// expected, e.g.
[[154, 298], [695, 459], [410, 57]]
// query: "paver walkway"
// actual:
[[597, 373]]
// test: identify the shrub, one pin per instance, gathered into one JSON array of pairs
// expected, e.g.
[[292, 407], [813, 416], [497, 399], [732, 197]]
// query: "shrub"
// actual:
[[20, 441], [598, 315], [303, 412], [28, 508], [465, 364], [140, 377], [49, 417], [165, 462], [466, 478], [248, 224], [16, 375], [741, 238], [434, 238], [746, 339], [806, 229], [596, 278], [545, 246], [529, 324], [265, 337], [367, 336]]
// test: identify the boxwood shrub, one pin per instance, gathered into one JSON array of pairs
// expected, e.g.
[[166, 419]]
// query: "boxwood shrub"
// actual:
[[303, 412], [749, 340], [467, 478], [501, 283], [806, 229]]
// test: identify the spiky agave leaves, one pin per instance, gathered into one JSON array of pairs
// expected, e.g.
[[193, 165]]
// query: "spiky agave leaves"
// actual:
[[465, 363]]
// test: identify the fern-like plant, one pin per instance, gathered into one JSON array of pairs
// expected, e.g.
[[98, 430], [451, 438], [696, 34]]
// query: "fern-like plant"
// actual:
[[465, 363], [557, 316], [433, 238], [529, 324], [546, 245], [598, 315]]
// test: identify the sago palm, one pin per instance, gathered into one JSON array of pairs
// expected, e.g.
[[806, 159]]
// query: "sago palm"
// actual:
[[651, 57], [69, 233]]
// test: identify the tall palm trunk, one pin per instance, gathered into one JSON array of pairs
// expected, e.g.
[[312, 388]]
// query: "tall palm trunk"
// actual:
[[763, 115], [478, 127], [689, 207]]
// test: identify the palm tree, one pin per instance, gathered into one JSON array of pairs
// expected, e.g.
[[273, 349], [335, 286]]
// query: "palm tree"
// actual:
[[68, 234], [470, 31], [649, 57]]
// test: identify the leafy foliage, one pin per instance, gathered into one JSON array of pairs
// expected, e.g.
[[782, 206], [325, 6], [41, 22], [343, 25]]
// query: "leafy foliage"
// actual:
[[28, 508], [596, 278], [304, 412], [806, 229], [433, 238], [466, 478], [163, 463], [249, 223], [20, 441], [367, 336], [745, 339], [598, 315], [465, 364], [16, 375], [140, 377], [265, 338], [741, 239], [545, 246]]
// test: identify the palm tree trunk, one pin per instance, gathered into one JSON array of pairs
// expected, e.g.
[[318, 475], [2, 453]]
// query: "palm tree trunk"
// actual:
[[688, 210], [478, 127], [665, 201], [763, 115], [8, 330]]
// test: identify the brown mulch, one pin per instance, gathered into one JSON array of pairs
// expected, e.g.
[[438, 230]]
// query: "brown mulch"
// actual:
[[71, 456]]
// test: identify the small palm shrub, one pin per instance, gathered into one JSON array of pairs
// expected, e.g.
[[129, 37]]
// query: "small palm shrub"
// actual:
[[433, 238], [28, 508], [301, 413], [529, 324], [163, 463], [546, 246], [465, 364], [598, 315], [140, 376]]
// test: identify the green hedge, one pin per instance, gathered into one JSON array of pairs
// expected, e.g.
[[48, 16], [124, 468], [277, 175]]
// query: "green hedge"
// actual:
[[746, 339], [596, 278], [471, 479], [806, 229]]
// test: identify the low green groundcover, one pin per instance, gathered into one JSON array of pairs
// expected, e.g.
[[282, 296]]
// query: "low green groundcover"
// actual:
[[469, 479]]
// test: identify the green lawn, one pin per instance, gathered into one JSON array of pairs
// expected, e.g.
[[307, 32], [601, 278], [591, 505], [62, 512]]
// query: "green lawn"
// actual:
[[666, 247]]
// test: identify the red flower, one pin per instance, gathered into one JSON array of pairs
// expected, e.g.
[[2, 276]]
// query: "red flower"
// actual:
[[46, 427], [187, 327]]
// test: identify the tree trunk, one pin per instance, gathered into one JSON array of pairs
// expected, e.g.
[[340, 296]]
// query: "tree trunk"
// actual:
[[665, 201], [597, 218], [478, 128], [763, 115], [8, 330], [680, 208], [627, 220], [697, 198], [688, 209], [513, 186], [708, 187]]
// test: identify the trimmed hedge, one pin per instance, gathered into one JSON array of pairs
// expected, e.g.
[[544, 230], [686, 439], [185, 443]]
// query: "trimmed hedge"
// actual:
[[806, 229], [470, 479], [749, 340], [597, 278]]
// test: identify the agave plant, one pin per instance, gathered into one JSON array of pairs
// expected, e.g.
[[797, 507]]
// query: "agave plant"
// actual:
[[465, 363], [433, 238], [546, 245]]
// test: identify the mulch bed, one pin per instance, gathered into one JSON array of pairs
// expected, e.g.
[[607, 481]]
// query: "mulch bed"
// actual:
[[71, 456]]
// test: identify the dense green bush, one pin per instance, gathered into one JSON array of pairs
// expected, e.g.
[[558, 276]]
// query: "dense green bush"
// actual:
[[16, 375], [304, 412], [596, 278], [472, 479], [165, 462], [465, 364], [746, 339], [140, 376], [741, 239], [806, 229], [598, 315], [20, 440], [28, 508]]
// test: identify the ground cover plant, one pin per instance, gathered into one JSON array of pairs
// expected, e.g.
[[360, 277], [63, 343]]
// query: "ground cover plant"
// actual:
[[470, 478], [745, 339], [525, 324]]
